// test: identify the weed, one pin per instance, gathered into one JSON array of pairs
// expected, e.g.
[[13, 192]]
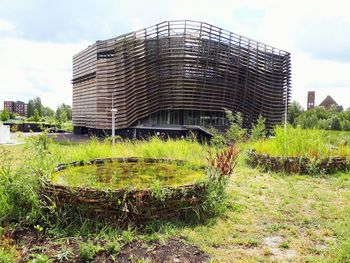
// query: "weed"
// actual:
[[158, 191], [88, 251], [143, 260], [284, 245], [258, 130], [235, 132], [128, 235], [64, 254], [113, 247], [7, 256], [39, 258]]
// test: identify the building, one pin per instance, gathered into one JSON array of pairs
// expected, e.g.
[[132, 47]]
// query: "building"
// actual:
[[18, 107], [310, 100], [176, 76], [328, 102]]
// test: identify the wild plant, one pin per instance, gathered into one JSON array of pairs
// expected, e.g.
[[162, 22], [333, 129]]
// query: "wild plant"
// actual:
[[18, 192], [235, 132], [221, 166], [258, 129], [298, 142], [224, 161], [42, 161]]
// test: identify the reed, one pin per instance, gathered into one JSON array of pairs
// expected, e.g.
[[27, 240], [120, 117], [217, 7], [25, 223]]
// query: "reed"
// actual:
[[298, 142]]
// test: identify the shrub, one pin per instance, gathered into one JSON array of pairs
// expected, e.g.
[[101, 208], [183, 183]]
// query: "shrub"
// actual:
[[5, 115], [220, 169], [345, 125], [88, 251], [258, 131], [7, 256], [235, 132], [335, 123], [218, 140], [224, 162], [294, 111], [40, 258], [18, 191]]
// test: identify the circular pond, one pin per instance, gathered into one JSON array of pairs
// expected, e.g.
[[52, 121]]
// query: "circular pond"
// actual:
[[121, 175], [120, 190]]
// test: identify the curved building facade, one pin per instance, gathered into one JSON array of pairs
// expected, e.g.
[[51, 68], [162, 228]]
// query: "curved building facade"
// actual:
[[178, 74]]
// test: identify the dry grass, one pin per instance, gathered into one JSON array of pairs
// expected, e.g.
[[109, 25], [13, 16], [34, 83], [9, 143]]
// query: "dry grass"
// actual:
[[309, 214]]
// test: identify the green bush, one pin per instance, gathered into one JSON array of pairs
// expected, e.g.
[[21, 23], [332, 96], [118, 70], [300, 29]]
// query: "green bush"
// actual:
[[18, 191], [258, 130], [88, 251], [218, 140], [7, 256], [5, 115], [40, 258], [235, 132]]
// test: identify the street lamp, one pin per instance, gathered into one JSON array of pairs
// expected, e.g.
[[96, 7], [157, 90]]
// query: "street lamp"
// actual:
[[114, 111]]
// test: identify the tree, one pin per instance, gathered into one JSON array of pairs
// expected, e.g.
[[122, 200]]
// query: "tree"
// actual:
[[36, 116], [235, 132], [295, 109], [48, 112], [34, 104], [307, 121], [345, 125], [258, 130], [62, 117], [30, 108], [335, 123], [13, 115], [5, 115], [63, 108]]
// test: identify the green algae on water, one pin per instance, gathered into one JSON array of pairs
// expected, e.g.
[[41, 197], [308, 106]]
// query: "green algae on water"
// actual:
[[120, 175]]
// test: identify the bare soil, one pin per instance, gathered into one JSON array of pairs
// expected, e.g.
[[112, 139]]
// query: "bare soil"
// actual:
[[32, 242]]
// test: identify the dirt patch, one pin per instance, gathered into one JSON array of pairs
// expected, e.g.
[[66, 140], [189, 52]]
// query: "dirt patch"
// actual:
[[274, 244], [32, 242], [174, 250]]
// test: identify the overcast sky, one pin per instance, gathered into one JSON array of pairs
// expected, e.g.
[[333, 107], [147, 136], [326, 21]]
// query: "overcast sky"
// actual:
[[39, 37]]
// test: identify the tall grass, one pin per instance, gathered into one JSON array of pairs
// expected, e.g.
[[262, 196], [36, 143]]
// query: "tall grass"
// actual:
[[190, 151], [19, 186], [298, 142]]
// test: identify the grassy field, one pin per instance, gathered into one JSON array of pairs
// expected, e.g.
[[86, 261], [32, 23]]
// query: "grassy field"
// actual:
[[271, 217]]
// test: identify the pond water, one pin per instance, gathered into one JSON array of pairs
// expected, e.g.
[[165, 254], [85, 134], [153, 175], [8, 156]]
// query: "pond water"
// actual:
[[119, 175]]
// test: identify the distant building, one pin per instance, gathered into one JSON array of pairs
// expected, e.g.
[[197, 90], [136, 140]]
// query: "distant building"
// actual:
[[310, 100], [18, 107], [328, 102]]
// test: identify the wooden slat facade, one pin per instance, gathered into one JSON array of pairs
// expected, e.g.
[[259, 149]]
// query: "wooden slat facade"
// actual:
[[179, 65]]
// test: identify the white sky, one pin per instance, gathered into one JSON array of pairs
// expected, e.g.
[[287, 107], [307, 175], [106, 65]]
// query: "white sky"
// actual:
[[38, 39]]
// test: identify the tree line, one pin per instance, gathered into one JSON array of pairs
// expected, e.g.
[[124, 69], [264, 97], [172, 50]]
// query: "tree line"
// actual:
[[36, 112], [319, 117]]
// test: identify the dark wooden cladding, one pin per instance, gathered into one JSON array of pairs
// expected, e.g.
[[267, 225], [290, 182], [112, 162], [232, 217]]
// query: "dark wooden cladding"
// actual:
[[178, 65]]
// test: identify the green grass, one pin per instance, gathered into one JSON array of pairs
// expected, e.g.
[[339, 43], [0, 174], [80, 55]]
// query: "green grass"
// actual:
[[310, 214], [297, 142], [192, 152]]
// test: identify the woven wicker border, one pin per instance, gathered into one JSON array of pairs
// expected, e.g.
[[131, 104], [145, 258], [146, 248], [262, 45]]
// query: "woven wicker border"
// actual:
[[122, 205], [301, 165]]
